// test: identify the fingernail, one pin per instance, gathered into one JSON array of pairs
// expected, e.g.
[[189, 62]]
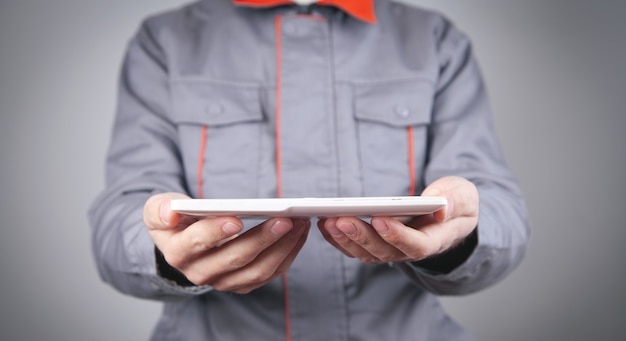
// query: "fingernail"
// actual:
[[435, 192], [230, 228], [348, 228], [380, 226], [164, 211], [279, 228]]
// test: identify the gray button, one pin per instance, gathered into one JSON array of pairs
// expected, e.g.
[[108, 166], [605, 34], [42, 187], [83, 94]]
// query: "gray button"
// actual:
[[402, 111], [214, 109]]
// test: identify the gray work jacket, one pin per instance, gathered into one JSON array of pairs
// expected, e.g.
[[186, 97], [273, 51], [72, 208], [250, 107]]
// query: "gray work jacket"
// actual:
[[208, 92]]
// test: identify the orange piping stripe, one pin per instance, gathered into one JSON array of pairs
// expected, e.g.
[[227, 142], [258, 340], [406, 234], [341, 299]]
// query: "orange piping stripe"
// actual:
[[279, 187], [279, 180], [411, 161], [287, 318], [201, 160]]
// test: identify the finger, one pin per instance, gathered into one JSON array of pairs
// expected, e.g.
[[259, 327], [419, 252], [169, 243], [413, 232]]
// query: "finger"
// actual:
[[449, 233], [359, 240], [237, 253], [270, 264], [439, 189], [414, 244], [428, 240], [157, 214], [339, 239], [420, 221], [377, 249], [295, 250], [424, 236], [185, 246], [324, 225], [461, 194]]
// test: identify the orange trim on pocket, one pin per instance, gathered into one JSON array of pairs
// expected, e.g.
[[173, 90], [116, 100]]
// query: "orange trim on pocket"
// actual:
[[411, 155], [201, 160]]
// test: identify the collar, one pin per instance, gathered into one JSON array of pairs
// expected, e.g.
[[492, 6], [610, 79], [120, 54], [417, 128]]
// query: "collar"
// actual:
[[360, 9]]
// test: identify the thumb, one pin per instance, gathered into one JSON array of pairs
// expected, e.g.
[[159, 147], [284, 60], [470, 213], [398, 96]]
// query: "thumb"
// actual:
[[157, 214], [439, 188], [461, 194]]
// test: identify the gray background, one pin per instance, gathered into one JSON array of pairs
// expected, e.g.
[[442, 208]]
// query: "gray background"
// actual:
[[556, 74]]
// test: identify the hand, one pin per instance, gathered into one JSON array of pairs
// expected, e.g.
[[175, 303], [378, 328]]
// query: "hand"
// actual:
[[389, 240], [209, 251]]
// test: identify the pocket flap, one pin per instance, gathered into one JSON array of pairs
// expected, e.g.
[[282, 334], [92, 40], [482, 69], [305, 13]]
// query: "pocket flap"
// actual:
[[213, 103], [398, 103]]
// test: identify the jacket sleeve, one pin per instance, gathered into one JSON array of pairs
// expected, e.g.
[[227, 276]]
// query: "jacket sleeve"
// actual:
[[463, 142], [143, 160]]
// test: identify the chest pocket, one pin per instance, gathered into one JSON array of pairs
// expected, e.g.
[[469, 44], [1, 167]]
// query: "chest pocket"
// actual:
[[219, 130], [392, 121]]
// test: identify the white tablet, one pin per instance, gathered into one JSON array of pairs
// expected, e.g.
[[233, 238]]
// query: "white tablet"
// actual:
[[310, 207]]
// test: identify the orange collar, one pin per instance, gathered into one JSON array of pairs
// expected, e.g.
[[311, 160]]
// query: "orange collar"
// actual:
[[360, 9]]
